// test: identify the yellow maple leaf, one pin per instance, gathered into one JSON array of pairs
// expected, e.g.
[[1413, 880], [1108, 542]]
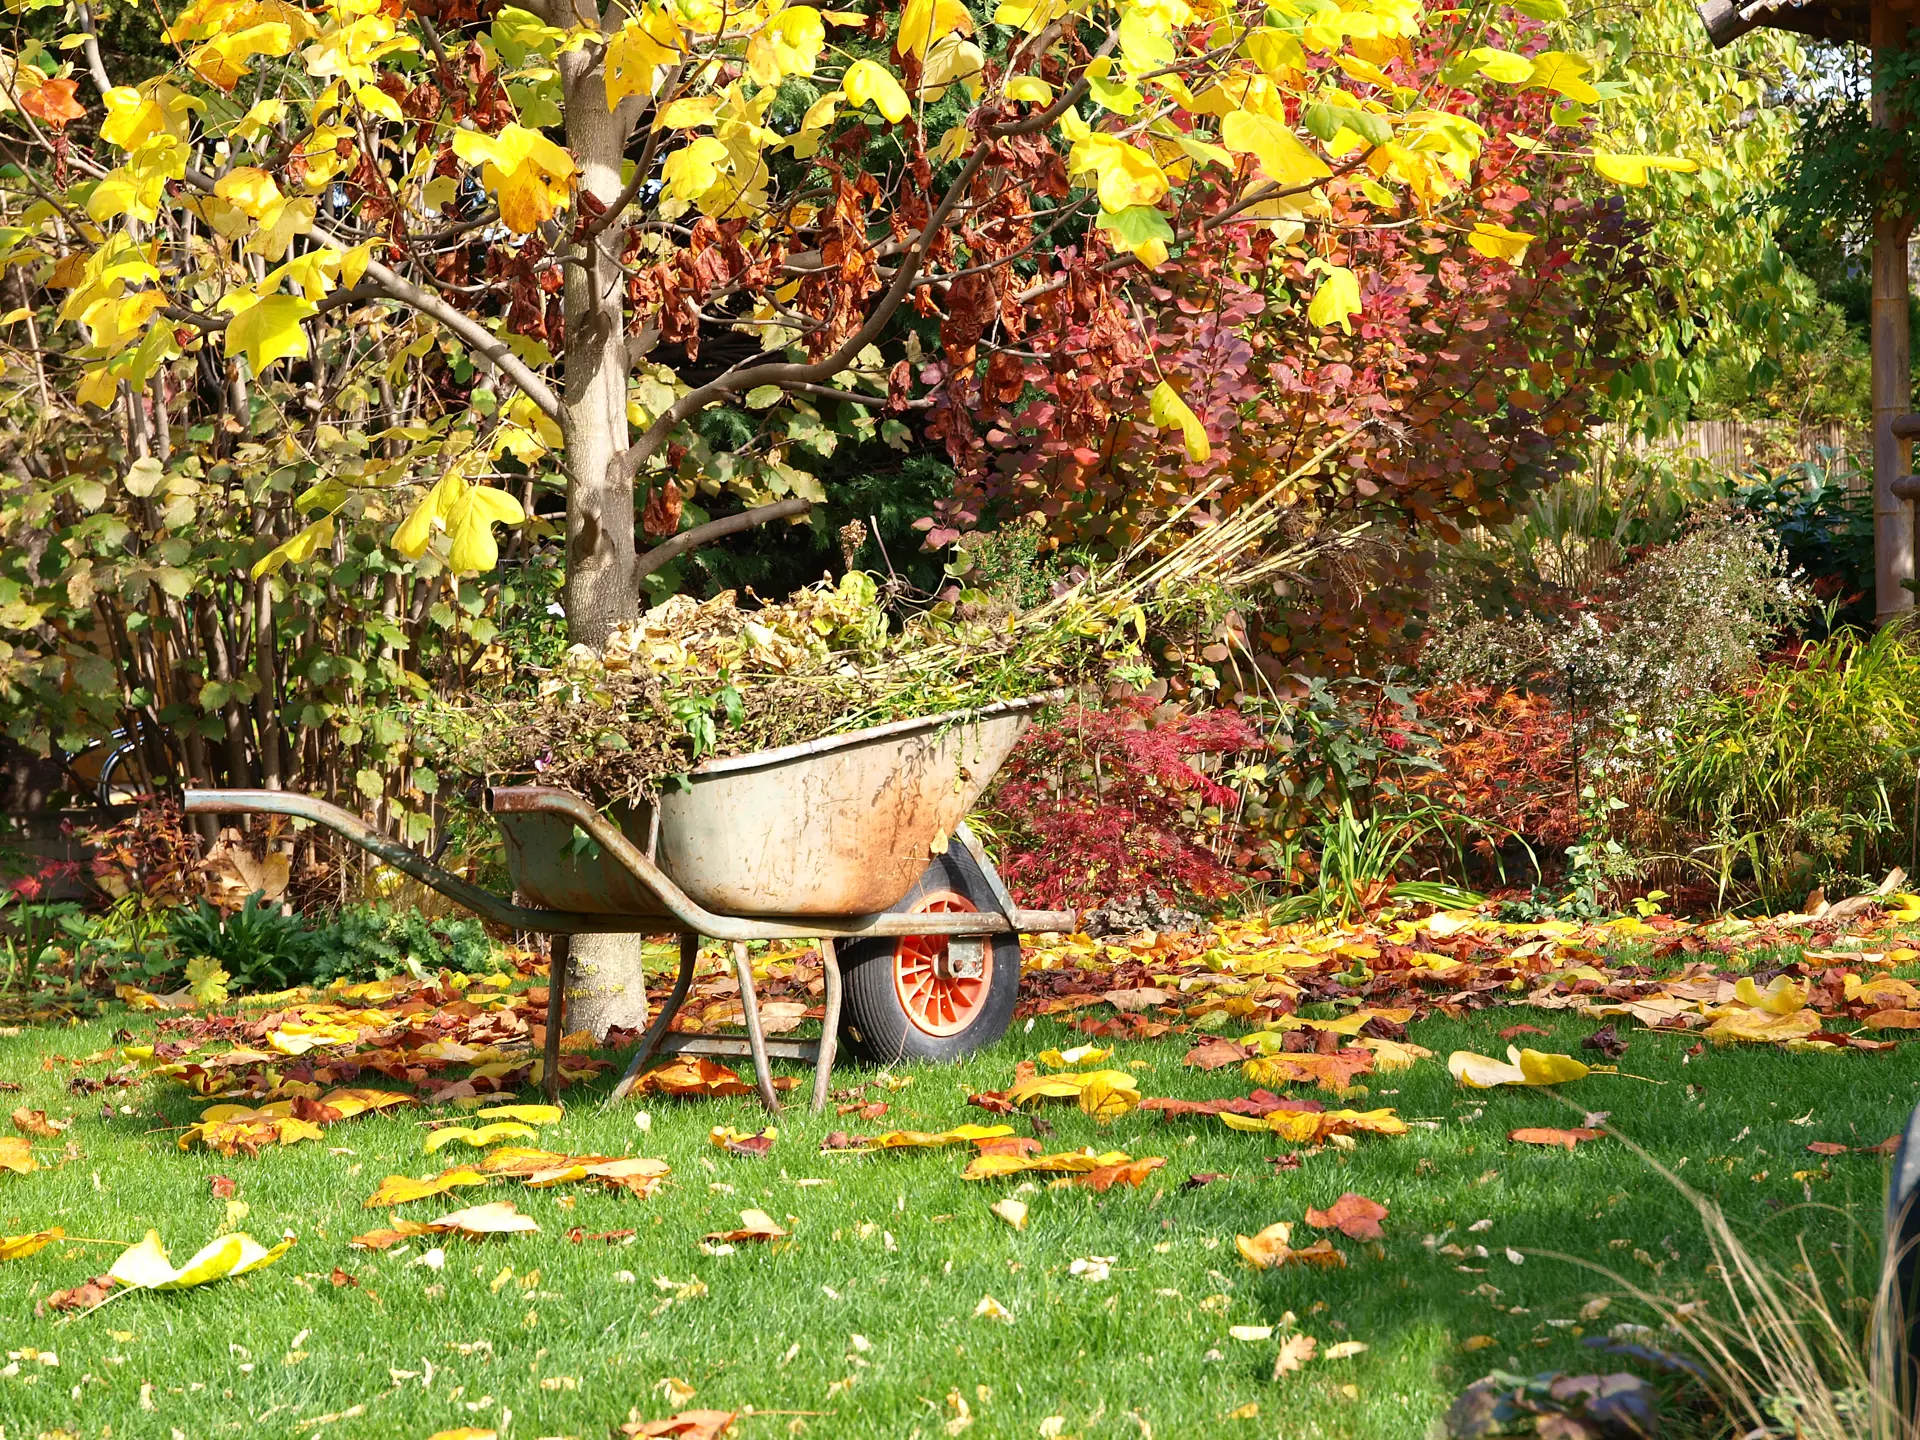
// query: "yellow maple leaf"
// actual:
[[529, 175]]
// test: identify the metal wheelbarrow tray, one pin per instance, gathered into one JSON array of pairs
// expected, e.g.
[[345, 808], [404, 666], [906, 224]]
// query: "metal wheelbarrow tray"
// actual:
[[828, 840]]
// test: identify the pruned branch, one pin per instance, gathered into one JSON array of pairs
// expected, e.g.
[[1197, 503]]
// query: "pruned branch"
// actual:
[[668, 551]]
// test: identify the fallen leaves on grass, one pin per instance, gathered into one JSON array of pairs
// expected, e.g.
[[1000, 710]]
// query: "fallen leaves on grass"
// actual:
[[80, 1297], [1103, 1094], [756, 1226], [1260, 1102], [19, 1247], [1216, 1054], [1014, 1212], [1547, 1135], [1295, 1352], [1070, 1059], [754, 1146], [691, 1076], [1311, 1127], [920, 1139], [1087, 1162], [237, 1129], [36, 1123], [636, 1174], [687, 1425], [1273, 1248], [1336, 1072], [145, 1266], [404, 1189], [485, 1135], [1353, 1215], [498, 1217], [1522, 1067]]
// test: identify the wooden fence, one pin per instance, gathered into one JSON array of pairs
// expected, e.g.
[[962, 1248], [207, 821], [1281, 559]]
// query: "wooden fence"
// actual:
[[1737, 445]]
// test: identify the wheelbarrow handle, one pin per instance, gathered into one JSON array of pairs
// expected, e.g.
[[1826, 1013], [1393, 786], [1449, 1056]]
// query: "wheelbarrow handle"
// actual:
[[351, 827]]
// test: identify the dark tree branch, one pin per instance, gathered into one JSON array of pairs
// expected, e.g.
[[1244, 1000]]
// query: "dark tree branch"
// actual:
[[669, 550]]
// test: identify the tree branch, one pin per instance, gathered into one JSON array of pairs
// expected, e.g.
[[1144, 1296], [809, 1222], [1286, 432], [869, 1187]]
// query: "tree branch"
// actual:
[[478, 338], [673, 549]]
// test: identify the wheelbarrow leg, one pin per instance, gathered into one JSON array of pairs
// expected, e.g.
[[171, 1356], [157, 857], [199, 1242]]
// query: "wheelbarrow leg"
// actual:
[[829, 1025], [559, 955], [663, 1022], [756, 1039]]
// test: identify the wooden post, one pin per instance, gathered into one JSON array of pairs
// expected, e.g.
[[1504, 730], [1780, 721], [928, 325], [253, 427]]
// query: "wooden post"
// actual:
[[1892, 369]]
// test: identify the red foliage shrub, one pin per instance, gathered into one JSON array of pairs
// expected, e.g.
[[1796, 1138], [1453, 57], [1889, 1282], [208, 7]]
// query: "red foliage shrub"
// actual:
[[1506, 763], [1105, 804]]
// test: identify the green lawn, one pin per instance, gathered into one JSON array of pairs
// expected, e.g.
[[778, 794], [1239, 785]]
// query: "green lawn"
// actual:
[[864, 1324]]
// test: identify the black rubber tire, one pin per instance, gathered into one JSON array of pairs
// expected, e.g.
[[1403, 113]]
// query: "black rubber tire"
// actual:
[[874, 1024]]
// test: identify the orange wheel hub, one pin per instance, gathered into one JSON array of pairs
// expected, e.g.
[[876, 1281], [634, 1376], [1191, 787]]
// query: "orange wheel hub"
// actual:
[[936, 999]]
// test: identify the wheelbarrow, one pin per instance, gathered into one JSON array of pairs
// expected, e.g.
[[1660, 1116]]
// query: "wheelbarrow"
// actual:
[[855, 841]]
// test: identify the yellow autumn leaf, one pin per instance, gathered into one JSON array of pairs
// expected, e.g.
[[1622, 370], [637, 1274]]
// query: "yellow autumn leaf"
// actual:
[[1781, 997], [635, 55], [269, 330], [292, 551], [1502, 65], [1124, 174], [135, 115], [1564, 74], [1497, 242], [1030, 87], [797, 35], [1283, 159], [1337, 300], [867, 82], [1521, 1067], [527, 173], [694, 169], [145, 1266], [1632, 169], [1168, 410], [404, 1189], [484, 1135], [1078, 1055], [925, 21], [470, 520], [415, 532], [19, 1247], [528, 1114], [16, 1155]]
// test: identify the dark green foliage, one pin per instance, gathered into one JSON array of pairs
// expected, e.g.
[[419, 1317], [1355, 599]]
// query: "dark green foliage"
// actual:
[[259, 946], [373, 942], [262, 948], [1824, 529]]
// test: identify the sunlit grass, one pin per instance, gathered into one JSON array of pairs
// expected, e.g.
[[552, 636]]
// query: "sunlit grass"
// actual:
[[898, 1250]]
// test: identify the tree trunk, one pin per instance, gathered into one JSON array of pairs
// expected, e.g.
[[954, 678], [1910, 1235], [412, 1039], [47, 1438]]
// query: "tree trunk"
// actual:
[[606, 986]]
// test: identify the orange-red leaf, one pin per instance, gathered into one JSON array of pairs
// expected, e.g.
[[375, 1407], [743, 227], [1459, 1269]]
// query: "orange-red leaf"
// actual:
[[1354, 1216]]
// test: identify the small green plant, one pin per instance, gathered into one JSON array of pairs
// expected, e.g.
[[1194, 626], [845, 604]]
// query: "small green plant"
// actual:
[[374, 942], [259, 946]]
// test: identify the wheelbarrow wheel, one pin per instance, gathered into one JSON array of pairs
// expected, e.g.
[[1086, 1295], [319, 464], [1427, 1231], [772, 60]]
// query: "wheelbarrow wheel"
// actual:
[[923, 997]]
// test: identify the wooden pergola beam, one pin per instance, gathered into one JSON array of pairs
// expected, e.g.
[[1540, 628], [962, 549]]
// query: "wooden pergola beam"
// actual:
[[1893, 557]]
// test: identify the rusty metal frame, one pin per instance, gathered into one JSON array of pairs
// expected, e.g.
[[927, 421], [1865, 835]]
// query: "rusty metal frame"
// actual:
[[683, 914]]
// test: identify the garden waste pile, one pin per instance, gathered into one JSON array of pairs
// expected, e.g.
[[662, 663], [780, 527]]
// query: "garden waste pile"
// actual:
[[690, 680]]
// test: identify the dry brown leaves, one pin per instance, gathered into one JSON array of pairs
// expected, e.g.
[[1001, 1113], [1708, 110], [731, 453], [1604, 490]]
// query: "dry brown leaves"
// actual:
[[1354, 1216], [36, 1123], [1547, 1135], [1273, 1248], [687, 1425]]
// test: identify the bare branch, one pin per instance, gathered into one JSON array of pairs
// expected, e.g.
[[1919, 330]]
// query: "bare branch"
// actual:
[[699, 535], [478, 338]]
